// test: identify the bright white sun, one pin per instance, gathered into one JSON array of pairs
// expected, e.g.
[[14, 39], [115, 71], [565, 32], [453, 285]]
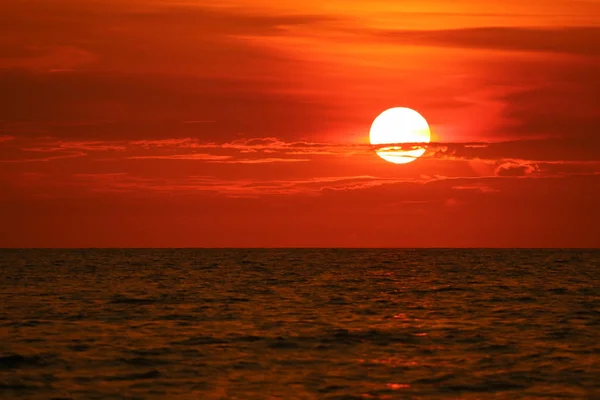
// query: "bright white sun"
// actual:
[[400, 135]]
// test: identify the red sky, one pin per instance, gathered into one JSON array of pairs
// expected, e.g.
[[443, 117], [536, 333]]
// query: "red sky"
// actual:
[[149, 123]]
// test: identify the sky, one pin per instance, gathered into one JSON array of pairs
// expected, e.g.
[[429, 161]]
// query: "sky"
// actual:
[[238, 123]]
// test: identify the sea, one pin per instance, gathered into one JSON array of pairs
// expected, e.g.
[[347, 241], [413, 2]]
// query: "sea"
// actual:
[[299, 324]]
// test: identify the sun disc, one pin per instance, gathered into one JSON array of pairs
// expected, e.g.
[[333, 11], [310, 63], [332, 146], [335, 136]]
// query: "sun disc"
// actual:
[[400, 135]]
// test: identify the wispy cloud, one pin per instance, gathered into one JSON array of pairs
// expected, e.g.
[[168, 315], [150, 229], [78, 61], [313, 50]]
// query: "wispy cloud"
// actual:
[[6, 138], [192, 156], [516, 169], [88, 146], [483, 188], [267, 160], [125, 182], [568, 40], [189, 185], [508, 157], [50, 58], [542, 150], [43, 159]]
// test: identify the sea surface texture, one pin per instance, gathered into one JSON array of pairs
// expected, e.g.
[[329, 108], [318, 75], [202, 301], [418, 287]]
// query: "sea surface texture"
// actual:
[[299, 324]]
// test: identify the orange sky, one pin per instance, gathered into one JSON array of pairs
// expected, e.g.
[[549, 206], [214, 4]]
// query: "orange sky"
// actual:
[[147, 123]]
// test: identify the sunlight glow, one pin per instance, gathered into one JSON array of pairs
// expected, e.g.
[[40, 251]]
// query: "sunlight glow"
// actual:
[[399, 135]]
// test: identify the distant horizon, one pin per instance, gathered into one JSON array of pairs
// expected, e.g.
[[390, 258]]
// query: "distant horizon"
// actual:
[[300, 248]]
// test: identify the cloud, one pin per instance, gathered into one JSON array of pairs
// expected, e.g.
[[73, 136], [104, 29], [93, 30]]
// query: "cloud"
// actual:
[[243, 145], [43, 159], [546, 154], [258, 147], [153, 106], [514, 169], [317, 186], [567, 40], [93, 146], [124, 182], [562, 105], [173, 142], [140, 183], [212, 158], [192, 156], [150, 83], [266, 160], [6, 138], [543, 150], [51, 58], [118, 36], [476, 188]]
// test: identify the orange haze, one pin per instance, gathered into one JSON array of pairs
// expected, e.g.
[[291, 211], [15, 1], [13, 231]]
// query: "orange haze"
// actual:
[[172, 124]]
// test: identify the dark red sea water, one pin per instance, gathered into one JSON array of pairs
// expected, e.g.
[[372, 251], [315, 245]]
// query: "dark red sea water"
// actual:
[[299, 324]]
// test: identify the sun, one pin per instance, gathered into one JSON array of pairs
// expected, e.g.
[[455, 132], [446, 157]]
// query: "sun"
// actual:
[[399, 135]]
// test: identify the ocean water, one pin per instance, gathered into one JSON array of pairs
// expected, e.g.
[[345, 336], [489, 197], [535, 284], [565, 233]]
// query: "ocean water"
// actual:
[[299, 324]]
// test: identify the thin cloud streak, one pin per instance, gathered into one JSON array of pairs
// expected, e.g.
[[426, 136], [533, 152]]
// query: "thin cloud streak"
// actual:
[[581, 41], [194, 156], [318, 186], [270, 149], [44, 159]]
